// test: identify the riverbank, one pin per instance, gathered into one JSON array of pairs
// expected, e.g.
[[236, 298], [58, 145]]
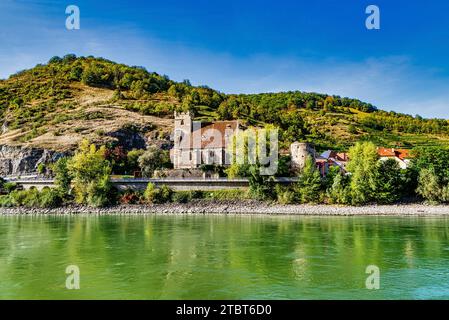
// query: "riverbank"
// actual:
[[243, 207]]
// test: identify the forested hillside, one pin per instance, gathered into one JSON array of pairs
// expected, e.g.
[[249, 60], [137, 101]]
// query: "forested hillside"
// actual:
[[54, 105]]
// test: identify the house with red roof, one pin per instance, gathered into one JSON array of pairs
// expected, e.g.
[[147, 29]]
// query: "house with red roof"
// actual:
[[402, 156]]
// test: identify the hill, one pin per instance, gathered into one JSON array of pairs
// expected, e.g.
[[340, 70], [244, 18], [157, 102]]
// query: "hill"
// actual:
[[55, 105]]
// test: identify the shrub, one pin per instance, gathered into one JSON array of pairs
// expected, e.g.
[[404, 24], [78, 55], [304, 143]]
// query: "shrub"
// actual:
[[285, 195], [50, 198], [151, 193], [31, 197], [182, 196], [158, 195], [98, 192], [130, 198], [6, 201], [232, 194], [9, 186], [165, 194]]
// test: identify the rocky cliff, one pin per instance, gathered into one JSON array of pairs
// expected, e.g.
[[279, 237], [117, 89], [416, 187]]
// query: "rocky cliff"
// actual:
[[19, 160]]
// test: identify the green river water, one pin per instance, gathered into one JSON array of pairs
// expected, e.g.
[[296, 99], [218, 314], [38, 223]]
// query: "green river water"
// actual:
[[223, 257]]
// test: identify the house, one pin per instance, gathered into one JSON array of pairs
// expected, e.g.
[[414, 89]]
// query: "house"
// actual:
[[301, 150], [331, 158], [197, 143], [402, 156]]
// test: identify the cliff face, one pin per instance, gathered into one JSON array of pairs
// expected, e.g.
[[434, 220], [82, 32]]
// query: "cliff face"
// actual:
[[16, 160], [21, 160]]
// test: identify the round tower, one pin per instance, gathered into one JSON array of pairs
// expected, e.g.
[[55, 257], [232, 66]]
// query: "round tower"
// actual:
[[299, 151]]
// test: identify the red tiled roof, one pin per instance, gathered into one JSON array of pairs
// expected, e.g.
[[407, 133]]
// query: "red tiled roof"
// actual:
[[212, 135], [392, 152]]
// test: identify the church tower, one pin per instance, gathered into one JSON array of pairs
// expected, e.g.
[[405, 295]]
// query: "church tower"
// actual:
[[182, 149]]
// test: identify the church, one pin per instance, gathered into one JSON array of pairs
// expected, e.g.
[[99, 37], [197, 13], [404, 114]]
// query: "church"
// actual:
[[197, 143]]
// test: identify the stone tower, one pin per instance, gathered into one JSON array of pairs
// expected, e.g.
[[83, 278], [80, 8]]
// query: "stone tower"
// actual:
[[182, 154], [299, 152]]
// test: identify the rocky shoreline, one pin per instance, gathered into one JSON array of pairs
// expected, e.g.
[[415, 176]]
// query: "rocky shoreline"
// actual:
[[242, 207]]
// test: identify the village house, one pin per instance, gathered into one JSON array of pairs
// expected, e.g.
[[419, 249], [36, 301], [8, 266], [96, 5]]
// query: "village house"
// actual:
[[331, 158], [402, 156]]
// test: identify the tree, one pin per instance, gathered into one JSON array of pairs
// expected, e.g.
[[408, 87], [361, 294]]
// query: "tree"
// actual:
[[309, 183], [390, 181], [63, 179], [133, 157], [41, 168], [55, 59], [90, 171], [362, 167], [430, 165], [339, 191], [428, 185], [153, 158], [261, 187]]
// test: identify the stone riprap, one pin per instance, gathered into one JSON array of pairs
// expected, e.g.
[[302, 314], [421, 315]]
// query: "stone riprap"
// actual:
[[244, 207]]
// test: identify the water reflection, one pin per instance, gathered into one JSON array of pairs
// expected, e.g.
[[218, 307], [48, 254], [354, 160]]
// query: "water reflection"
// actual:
[[223, 257]]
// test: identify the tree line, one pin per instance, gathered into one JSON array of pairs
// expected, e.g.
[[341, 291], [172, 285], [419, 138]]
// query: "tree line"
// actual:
[[85, 179]]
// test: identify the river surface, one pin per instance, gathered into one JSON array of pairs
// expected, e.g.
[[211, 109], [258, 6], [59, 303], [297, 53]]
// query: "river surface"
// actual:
[[223, 257]]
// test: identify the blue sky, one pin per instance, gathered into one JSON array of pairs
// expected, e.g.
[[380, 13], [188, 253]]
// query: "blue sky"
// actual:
[[252, 46]]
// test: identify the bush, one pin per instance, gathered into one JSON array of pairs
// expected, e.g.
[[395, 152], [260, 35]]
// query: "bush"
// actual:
[[47, 198], [165, 194], [9, 186], [99, 192], [6, 201], [130, 197], [232, 194], [50, 198], [151, 193], [31, 198], [285, 195], [158, 195], [182, 196]]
